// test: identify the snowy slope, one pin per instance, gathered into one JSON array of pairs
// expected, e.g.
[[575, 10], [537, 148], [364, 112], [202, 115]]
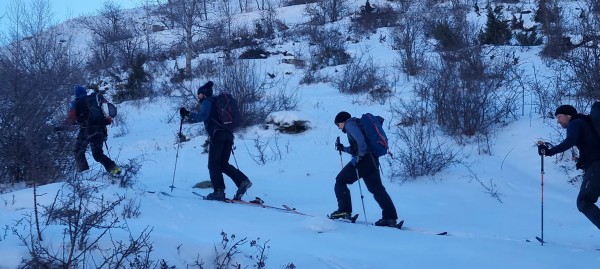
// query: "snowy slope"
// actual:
[[300, 172]]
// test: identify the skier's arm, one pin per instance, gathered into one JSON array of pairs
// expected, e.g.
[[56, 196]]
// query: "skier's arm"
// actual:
[[573, 133], [353, 130], [204, 112]]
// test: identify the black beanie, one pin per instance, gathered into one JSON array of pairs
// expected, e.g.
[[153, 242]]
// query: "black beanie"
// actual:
[[342, 117], [566, 110], [206, 89]]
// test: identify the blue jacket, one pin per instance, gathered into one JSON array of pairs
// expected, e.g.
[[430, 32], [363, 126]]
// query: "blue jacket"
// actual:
[[206, 114]]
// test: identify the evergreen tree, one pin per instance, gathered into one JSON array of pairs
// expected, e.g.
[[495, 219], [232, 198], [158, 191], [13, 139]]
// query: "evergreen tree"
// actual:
[[497, 31]]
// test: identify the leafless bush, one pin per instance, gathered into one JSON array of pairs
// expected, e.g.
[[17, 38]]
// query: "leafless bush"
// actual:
[[231, 247], [115, 41], [325, 11], [422, 153], [472, 94], [87, 220], [408, 38], [329, 48], [257, 95], [37, 75], [370, 17], [362, 75], [265, 150]]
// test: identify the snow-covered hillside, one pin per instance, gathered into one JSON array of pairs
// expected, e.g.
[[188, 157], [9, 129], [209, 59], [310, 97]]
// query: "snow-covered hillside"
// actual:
[[489, 205]]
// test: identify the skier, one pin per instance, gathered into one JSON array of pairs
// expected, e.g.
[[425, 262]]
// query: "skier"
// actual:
[[86, 112], [221, 145], [364, 164], [580, 133]]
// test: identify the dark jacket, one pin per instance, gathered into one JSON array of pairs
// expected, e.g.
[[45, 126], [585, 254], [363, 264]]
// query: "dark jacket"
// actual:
[[580, 133]]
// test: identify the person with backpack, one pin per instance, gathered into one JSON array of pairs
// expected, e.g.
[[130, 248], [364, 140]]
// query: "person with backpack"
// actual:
[[364, 164], [86, 111], [580, 133], [221, 143]]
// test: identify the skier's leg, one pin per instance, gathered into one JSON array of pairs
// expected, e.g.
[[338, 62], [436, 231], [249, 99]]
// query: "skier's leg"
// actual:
[[80, 147], [96, 143], [342, 193], [589, 193]]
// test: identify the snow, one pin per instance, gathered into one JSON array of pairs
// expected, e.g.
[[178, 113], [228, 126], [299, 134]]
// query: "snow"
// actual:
[[485, 232]]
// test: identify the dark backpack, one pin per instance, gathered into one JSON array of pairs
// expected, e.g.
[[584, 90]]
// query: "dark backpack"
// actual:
[[227, 111], [595, 117], [90, 109], [377, 141]]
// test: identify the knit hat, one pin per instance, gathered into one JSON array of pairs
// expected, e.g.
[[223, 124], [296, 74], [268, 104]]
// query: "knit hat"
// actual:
[[342, 117], [79, 91], [566, 110], [206, 89]]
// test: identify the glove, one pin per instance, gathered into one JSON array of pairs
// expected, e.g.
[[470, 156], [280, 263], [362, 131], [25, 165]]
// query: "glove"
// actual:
[[339, 147], [184, 112], [543, 149], [108, 120]]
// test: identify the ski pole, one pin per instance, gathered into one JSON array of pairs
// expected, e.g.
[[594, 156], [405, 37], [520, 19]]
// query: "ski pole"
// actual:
[[107, 149], [177, 153], [337, 142], [362, 198], [542, 203], [234, 158]]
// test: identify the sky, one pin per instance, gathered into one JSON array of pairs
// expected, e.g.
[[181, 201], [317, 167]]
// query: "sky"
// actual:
[[300, 171]]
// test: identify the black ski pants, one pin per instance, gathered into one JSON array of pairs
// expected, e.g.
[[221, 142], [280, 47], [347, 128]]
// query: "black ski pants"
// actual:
[[94, 137], [589, 193], [221, 144], [368, 169]]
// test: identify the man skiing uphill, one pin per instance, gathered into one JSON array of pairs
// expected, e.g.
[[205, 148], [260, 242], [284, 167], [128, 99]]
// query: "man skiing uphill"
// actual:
[[364, 164], [86, 111], [580, 133], [221, 145]]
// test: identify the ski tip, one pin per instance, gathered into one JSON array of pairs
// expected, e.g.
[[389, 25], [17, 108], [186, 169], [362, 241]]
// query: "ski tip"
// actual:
[[400, 224], [443, 233], [354, 218]]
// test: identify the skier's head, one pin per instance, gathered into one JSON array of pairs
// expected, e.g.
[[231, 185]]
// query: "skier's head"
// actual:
[[206, 89], [564, 114], [79, 91], [341, 118]]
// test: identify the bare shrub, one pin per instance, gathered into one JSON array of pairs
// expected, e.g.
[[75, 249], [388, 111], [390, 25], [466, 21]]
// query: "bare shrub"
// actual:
[[257, 94], [371, 17], [329, 48], [362, 75], [114, 39], [471, 94], [86, 219], [325, 11], [37, 74], [422, 153], [409, 40]]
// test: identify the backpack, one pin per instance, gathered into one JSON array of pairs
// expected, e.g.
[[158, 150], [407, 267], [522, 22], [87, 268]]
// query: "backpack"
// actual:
[[377, 141], [94, 108], [228, 114], [595, 116]]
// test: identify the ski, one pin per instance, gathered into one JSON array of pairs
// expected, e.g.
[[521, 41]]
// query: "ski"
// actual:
[[352, 219], [257, 202], [400, 226], [294, 210]]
